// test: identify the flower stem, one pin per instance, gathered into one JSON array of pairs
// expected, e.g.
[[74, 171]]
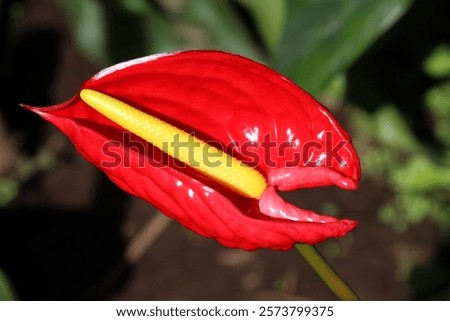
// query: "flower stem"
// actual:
[[326, 272]]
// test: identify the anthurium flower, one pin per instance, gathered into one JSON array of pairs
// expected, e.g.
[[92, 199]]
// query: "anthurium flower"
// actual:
[[210, 138]]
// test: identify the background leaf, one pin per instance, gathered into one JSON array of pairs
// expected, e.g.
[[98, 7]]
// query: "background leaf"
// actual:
[[323, 38], [88, 22], [111, 31], [225, 30], [270, 18], [6, 292]]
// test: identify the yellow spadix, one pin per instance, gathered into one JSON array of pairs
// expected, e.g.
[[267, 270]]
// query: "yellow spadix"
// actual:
[[208, 160]]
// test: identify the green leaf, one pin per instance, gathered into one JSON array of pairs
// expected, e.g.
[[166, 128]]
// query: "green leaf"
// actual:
[[108, 32], [225, 30], [89, 27], [6, 292], [161, 35], [420, 174], [438, 103], [323, 38], [154, 27], [136, 7], [270, 18], [438, 63], [438, 100], [9, 189], [389, 215], [393, 131]]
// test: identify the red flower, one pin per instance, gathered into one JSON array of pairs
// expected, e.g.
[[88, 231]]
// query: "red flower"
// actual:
[[239, 106]]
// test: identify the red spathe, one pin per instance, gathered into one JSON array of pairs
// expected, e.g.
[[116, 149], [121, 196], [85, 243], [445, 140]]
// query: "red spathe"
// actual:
[[238, 105]]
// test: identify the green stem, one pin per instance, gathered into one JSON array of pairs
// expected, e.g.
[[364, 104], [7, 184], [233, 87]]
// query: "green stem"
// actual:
[[326, 272]]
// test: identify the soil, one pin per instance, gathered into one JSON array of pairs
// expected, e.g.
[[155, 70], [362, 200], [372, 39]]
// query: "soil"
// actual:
[[71, 234]]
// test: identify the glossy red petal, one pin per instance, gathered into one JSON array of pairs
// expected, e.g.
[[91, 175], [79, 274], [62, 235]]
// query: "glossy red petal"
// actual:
[[236, 104]]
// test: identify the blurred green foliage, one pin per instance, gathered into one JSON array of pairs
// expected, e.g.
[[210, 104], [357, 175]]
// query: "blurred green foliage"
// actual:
[[9, 189], [417, 172], [6, 292], [323, 38], [438, 63], [269, 18], [25, 169]]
